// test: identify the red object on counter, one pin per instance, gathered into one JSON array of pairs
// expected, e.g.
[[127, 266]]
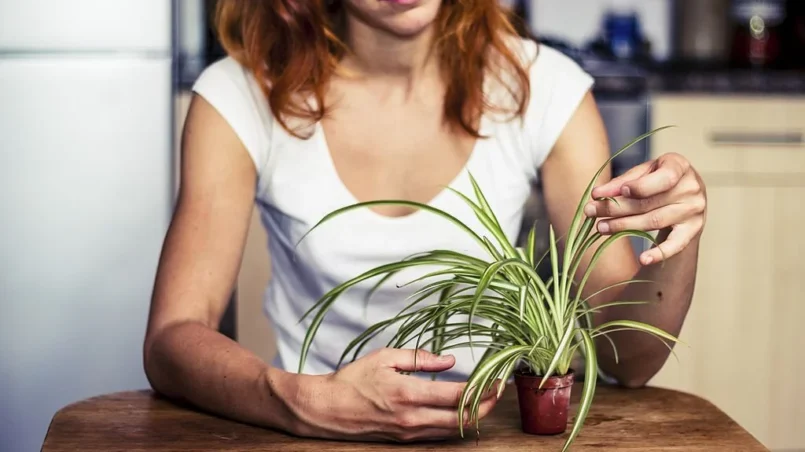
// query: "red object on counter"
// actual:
[[757, 37]]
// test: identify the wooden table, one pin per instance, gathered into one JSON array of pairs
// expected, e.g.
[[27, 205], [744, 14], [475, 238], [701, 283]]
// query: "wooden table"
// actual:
[[621, 420]]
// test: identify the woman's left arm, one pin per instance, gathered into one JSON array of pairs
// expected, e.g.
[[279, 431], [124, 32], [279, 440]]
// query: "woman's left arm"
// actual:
[[664, 195]]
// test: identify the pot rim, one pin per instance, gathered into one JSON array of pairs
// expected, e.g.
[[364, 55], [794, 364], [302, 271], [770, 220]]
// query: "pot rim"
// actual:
[[520, 372], [553, 382]]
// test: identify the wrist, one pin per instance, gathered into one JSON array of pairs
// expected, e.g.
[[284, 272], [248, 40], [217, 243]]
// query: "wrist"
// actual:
[[294, 396], [278, 390]]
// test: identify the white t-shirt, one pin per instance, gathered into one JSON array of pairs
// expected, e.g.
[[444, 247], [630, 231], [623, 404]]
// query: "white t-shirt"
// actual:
[[298, 185]]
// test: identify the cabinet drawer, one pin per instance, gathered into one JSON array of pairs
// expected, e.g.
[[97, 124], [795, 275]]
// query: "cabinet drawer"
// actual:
[[733, 134]]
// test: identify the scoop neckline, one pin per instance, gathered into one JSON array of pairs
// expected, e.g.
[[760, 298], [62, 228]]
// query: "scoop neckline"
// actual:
[[347, 198]]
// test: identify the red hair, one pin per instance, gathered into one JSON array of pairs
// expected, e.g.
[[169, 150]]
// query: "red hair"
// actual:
[[294, 47]]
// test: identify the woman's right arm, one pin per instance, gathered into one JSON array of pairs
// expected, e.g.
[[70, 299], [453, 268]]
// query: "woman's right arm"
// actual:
[[187, 358]]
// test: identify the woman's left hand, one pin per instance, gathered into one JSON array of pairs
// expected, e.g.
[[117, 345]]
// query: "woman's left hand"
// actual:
[[665, 194]]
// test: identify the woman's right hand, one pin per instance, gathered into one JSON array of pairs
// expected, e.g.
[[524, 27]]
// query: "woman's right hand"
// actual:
[[369, 400]]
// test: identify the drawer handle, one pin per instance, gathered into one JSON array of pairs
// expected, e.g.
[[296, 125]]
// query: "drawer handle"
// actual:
[[756, 138]]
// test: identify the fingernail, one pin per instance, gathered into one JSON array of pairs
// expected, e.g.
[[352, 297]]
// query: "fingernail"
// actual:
[[589, 210], [648, 260], [443, 358], [626, 192], [603, 227]]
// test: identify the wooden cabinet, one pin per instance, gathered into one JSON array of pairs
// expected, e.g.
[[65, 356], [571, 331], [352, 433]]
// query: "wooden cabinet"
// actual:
[[744, 345]]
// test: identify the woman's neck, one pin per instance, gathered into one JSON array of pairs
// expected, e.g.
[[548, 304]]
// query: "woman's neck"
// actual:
[[380, 55]]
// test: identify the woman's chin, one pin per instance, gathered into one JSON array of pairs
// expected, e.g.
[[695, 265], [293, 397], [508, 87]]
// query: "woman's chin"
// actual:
[[408, 29], [412, 22], [404, 18]]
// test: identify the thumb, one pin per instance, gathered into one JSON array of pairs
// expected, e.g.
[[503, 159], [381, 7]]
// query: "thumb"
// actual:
[[417, 361]]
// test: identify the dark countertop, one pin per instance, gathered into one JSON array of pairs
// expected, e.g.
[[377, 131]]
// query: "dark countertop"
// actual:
[[727, 81], [618, 80], [614, 80]]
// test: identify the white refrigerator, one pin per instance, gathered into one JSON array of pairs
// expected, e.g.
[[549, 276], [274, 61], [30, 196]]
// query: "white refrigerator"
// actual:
[[86, 138]]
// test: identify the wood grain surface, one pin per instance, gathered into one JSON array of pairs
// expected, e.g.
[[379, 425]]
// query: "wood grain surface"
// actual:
[[648, 419]]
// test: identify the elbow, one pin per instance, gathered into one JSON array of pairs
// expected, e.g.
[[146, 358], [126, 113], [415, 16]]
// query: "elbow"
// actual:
[[637, 379], [154, 365], [634, 383], [149, 366], [635, 372], [631, 377], [162, 358]]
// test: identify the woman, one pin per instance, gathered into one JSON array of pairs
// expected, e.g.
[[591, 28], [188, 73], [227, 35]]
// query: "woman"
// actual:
[[324, 103]]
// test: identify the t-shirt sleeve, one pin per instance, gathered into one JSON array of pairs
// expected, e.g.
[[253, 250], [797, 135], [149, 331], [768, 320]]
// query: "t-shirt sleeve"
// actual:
[[231, 90], [558, 85]]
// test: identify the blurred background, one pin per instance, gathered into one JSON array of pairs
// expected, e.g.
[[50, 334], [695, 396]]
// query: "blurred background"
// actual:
[[92, 100]]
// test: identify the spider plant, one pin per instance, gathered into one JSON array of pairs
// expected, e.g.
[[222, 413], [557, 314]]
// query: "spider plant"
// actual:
[[526, 324]]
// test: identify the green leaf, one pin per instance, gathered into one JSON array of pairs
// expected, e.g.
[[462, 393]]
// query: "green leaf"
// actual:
[[441, 322], [489, 223], [574, 225], [480, 379], [609, 198], [590, 374], [640, 326], [417, 205], [600, 251], [540, 324], [487, 209], [618, 284], [586, 311], [558, 285], [532, 244], [560, 349], [584, 240], [523, 292], [329, 298]]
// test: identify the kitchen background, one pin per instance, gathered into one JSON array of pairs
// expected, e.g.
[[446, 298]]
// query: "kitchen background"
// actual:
[[93, 100]]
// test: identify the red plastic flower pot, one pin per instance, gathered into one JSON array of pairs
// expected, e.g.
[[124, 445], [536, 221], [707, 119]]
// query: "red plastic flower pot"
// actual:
[[543, 411]]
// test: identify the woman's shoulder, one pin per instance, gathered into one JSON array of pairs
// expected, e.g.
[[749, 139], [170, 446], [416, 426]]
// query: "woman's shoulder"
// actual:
[[558, 83], [228, 77], [545, 63], [232, 90], [557, 86], [554, 79]]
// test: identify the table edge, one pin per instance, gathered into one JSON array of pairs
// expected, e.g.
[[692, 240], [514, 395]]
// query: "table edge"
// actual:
[[713, 406], [148, 393]]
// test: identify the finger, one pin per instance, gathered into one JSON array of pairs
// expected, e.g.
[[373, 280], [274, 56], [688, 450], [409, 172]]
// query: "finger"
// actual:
[[447, 418], [484, 408], [439, 393], [677, 240], [416, 360], [654, 220], [686, 190], [621, 207], [613, 187], [665, 177]]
